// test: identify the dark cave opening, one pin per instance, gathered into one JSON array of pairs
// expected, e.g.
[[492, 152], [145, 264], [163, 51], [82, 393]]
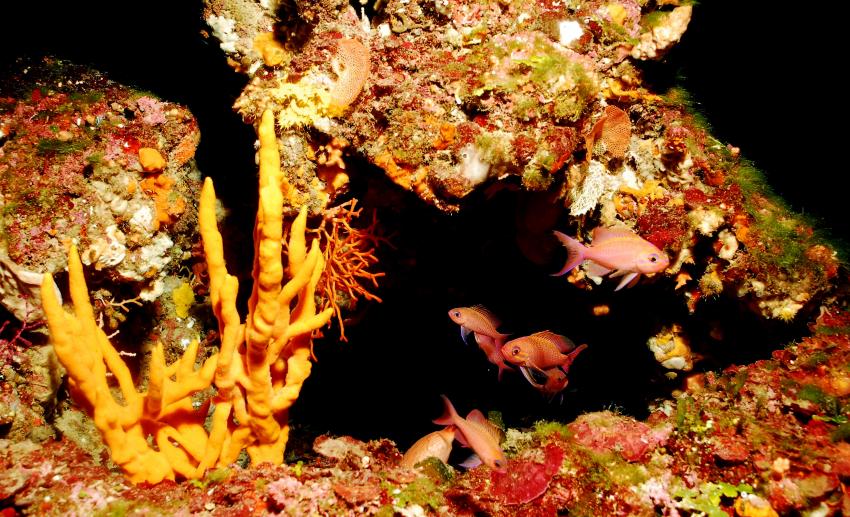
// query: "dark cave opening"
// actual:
[[403, 353]]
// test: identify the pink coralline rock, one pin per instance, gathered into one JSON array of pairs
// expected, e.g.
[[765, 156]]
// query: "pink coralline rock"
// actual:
[[605, 431], [733, 449], [70, 172], [526, 479]]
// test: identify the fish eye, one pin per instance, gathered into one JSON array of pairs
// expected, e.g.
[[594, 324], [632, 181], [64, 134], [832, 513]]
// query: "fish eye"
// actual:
[[653, 258], [499, 463], [515, 350]]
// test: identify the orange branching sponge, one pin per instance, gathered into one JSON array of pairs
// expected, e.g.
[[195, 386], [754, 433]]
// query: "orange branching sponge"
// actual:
[[614, 130], [258, 371], [352, 69]]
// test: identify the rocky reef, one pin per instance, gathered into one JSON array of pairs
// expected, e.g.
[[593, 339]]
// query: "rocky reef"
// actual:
[[370, 112]]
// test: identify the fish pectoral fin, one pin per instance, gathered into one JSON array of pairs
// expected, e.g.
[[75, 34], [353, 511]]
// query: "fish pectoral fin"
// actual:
[[626, 280], [535, 376], [529, 376], [471, 462], [464, 334], [620, 272]]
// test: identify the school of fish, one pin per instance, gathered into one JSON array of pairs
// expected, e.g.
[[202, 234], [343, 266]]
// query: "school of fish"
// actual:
[[543, 358]]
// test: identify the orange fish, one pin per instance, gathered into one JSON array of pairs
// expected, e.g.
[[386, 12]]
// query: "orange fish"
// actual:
[[477, 319], [437, 444], [476, 432], [540, 351], [554, 380], [493, 350], [614, 249]]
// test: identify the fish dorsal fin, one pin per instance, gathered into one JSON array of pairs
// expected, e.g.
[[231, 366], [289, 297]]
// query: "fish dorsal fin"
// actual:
[[484, 311], [602, 234], [476, 416], [478, 420], [563, 343]]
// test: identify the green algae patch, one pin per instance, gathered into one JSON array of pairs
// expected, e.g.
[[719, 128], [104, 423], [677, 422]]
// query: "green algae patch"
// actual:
[[547, 429], [708, 497]]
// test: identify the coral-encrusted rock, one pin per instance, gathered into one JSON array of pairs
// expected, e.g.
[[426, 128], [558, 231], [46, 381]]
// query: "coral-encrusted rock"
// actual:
[[71, 172], [526, 479], [605, 431]]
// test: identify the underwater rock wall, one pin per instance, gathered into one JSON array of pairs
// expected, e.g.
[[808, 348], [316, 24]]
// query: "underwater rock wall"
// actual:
[[88, 161], [452, 97]]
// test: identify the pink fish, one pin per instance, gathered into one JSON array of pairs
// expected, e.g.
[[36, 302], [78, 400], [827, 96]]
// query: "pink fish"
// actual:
[[541, 351], [477, 319], [476, 432], [437, 444], [493, 349], [553, 381], [614, 249]]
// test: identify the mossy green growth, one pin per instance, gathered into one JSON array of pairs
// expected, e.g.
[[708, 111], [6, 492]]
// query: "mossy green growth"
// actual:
[[787, 234], [56, 146], [545, 429], [827, 403], [688, 416], [535, 179], [707, 497], [612, 470], [423, 492], [494, 147], [653, 19], [548, 69], [613, 33], [121, 508], [435, 469], [841, 433], [817, 358], [569, 104], [525, 107], [116, 509], [496, 418], [212, 477], [736, 382], [826, 330], [94, 158]]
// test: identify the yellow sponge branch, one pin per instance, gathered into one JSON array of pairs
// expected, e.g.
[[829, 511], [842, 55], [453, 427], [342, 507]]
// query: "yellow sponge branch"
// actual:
[[159, 434]]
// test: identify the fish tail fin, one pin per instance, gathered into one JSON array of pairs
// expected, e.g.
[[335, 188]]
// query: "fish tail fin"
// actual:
[[449, 416], [572, 357], [575, 253]]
